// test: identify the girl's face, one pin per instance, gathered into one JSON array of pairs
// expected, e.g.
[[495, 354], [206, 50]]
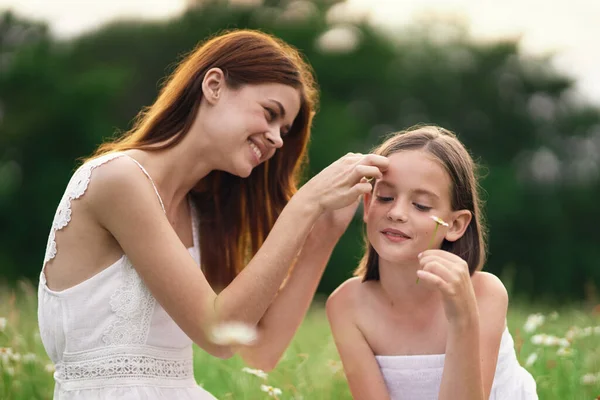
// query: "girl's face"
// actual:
[[398, 212], [247, 125]]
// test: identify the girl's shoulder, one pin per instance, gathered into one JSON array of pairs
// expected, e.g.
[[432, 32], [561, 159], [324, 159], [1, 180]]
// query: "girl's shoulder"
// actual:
[[485, 283], [490, 292], [347, 295]]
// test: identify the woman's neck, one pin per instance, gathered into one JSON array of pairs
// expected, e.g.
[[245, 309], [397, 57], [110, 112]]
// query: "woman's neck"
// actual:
[[175, 170]]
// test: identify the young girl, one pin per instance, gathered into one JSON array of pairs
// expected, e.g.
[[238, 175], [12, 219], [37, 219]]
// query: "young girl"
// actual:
[[203, 177], [420, 321]]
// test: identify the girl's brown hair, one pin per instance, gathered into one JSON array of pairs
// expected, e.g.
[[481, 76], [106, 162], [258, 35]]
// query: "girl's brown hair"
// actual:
[[235, 214], [455, 159]]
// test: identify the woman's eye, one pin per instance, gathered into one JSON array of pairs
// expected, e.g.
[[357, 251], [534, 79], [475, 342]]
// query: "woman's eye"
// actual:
[[421, 207], [384, 199], [271, 115]]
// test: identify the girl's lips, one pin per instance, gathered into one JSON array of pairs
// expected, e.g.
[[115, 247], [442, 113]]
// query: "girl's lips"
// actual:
[[395, 235]]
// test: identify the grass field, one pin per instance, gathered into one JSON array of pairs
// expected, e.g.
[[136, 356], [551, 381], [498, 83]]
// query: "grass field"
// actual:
[[566, 364]]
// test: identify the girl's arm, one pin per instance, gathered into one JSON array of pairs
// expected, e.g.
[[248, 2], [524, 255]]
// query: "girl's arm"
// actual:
[[123, 202], [360, 366], [474, 331], [277, 328]]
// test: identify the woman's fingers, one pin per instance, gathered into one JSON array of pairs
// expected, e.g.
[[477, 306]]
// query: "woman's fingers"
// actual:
[[376, 160], [366, 171]]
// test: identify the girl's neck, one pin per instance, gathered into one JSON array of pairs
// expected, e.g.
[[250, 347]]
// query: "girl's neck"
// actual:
[[399, 285]]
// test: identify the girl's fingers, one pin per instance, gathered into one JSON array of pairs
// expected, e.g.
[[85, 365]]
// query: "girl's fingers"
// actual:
[[442, 254], [440, 270], [431, 279]]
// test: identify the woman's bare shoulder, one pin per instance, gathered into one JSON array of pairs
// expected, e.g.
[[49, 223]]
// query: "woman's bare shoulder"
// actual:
[[119, 183]]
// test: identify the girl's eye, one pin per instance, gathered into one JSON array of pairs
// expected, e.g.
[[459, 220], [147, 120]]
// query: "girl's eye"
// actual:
[[421, 207], [384, 199]]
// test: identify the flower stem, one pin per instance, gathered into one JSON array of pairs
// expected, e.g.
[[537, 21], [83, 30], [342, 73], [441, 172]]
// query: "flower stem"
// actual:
[[431, 241]]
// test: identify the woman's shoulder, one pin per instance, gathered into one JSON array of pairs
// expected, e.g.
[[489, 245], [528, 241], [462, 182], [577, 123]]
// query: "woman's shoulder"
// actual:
[[118, 182]]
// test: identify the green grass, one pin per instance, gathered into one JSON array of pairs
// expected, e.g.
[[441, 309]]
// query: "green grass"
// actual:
[[310, 368]]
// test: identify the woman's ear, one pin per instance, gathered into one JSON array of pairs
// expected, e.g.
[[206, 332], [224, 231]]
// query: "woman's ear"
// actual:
[[458, 225], [212, 85]]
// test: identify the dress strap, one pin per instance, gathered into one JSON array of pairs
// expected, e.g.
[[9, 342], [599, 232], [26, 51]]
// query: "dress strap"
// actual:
[[151, 181], [195, 226]]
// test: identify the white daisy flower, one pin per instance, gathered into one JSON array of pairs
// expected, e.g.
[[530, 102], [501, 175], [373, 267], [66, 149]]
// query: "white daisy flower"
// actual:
[[439, 221], [272, 391], [233, 333], [589, 379], [257, 372], [533, 322], [564, 351], [531, 359]]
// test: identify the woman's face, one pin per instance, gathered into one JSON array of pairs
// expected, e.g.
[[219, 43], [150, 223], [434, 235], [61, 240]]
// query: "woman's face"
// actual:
[[398, 212], [248, 124]]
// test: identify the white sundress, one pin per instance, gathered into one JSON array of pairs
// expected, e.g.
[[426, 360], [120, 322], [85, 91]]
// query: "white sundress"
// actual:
[[419, 377], [108, 336]]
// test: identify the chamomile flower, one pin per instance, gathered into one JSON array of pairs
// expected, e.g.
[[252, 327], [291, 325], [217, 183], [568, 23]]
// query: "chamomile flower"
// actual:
[[270, 390], [533, 322], [257, 372], [233, 333], [439, 221], [531, 359]]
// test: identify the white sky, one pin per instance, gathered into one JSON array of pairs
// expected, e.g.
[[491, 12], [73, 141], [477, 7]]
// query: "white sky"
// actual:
[[570, 28]]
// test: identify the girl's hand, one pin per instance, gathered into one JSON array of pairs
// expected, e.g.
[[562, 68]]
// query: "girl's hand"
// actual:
[[341, 184], [450, 274]]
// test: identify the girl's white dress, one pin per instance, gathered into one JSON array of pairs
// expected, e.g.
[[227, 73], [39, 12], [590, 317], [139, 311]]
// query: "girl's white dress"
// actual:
[[107, 336], [419, 377]]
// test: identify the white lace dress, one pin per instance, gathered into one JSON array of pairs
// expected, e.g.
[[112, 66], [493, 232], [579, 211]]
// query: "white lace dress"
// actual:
[[107, 336], [419, 377]]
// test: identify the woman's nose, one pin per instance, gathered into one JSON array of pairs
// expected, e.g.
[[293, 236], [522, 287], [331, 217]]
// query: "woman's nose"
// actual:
[[274, 137]]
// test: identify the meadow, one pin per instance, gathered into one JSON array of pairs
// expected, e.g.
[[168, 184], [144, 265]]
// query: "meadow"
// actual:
[[560, 346]]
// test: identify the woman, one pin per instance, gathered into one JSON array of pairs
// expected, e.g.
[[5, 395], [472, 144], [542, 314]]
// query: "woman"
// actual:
[[208, 174]]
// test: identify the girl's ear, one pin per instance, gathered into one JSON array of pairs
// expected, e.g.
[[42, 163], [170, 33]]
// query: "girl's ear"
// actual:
[[458, 225], [366, 203]]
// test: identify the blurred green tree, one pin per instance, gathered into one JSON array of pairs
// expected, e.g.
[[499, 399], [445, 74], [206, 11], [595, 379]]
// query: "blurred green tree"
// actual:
[[538, 146]]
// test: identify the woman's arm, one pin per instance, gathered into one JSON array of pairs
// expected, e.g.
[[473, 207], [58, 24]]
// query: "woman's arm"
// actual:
[[277, 328], [124, 203], [360, 366], [474, 330]]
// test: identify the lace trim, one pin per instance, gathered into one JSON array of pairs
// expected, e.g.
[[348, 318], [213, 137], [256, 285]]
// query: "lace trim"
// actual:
[[105, 367], [133, 305], [75, 189]]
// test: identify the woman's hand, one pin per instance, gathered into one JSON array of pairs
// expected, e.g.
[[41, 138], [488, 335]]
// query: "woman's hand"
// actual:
[[341, 184], [450, 275], [333, 223]]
